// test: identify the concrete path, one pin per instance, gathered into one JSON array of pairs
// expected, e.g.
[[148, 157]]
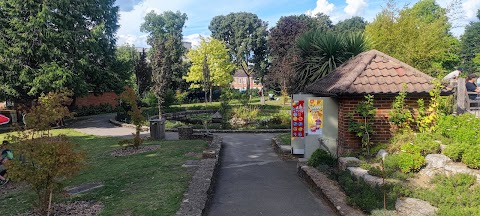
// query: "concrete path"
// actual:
[[100, 126], [254, 181]]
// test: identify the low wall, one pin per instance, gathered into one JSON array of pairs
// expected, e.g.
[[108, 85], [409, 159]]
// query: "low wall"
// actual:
[[95, 100]]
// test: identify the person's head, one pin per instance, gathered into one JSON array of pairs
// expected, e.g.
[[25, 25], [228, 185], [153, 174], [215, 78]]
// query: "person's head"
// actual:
[[460, 69], [471, 77]]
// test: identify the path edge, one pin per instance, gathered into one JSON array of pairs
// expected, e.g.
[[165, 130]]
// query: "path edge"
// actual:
[[145, 128], [200, 191], [329, 189]]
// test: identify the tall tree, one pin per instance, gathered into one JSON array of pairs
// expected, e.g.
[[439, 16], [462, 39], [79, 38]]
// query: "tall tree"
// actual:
[[281, 44], [471, 45], [126, 57], [246, 38], [211, 66], [51, 45], [419, 36], [323, 22], [143, 74], [354, 24], [321, 52], [165, 37]]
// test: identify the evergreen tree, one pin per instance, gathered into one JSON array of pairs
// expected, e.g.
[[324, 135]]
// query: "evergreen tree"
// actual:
[[470, 51], [143, 74], [51, 45]]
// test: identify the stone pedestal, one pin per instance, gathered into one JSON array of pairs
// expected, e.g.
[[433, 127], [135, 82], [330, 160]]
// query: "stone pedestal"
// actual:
[[185, 133]]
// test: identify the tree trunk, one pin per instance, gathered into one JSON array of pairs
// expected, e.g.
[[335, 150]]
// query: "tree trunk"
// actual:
[[210, 94], [262, 97], [159, 110], [206, 97], [248, 82]]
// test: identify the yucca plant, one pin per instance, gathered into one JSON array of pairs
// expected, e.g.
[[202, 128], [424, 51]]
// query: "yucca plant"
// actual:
[[322, 52]]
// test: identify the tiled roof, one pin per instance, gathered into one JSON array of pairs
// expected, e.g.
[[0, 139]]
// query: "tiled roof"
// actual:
[[240, 73], [372, 72]]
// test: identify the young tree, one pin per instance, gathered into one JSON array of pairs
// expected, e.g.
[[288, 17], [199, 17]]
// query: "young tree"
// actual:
[[418, 36], [246, 38], [46, 160], [143, 74], [129, 97], [166, 40], [211, 66], [51, 45]]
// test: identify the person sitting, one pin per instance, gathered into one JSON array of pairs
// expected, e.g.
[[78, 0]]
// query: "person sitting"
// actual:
[[6, 156], [472, 87]]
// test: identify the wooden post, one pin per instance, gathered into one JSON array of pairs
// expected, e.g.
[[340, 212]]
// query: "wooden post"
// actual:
[[461, 94]]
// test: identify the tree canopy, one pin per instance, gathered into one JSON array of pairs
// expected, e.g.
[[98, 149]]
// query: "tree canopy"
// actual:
[[418, 36], [51, 45], [470, 43], [165, 37], [210, 65], [246, 38], [354, 24], [281, 44]]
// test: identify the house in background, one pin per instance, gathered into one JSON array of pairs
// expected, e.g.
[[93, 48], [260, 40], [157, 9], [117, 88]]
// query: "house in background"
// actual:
[[240, 81]]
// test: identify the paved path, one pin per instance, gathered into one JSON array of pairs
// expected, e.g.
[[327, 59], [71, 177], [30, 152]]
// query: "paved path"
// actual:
[[254, 181], [100, 126]]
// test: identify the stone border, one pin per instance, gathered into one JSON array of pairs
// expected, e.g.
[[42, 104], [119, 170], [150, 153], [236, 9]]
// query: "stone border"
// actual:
[[200, 191], [327, 188], [145, 128], [285, 151]]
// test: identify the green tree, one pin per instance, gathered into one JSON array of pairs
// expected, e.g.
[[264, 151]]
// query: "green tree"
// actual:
[[418, 36], [246, 38], [354, 24], [211, 66], [127, 57], [51, 45], [322, 22], [321, 52], [143, 74], [281, 45], [166, 40], [470, 43]]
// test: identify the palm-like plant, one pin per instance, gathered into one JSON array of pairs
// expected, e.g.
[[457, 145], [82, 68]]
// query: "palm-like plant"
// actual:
[[322, 52]]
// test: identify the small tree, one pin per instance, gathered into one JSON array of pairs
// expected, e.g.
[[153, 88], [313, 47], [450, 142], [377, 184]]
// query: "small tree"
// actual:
[[427, 118], [364, 128], [400, 115], [46, 160], [129, 97]]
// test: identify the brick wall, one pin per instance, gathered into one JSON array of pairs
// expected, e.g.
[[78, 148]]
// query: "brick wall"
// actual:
[[382, 128], [92, 100], [241, 83]]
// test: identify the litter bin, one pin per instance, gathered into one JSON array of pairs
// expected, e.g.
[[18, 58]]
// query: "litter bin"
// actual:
[[157, 129]]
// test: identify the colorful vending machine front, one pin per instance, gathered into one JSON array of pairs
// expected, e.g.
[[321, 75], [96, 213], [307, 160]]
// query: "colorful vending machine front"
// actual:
[[308, 123]]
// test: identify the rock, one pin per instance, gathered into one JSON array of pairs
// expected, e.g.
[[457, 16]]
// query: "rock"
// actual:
[[286, 149], [443, 147], [414, 207], [344, 162], [382, 153], [209, 154], [217, 115], [452, 169], [437, 161], [357, 171], [373, 180]]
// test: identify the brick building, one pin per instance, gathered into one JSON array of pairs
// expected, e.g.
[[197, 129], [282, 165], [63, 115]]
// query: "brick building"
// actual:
[[374, 73], [240, 80]]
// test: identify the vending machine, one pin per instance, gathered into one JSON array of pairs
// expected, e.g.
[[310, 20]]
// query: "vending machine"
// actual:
[[314, 124]]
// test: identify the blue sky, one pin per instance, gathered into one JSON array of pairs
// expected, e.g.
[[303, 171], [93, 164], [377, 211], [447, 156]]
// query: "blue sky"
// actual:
[[200, 12]]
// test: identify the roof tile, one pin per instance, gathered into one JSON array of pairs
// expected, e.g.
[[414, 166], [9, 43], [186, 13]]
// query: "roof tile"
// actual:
[[372, 72]]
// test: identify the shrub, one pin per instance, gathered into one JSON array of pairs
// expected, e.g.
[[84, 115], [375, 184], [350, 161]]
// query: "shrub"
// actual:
[[363, 128], [244, 115], [321, 157], [455, 151], [364, 196], [426, 143], [404, 161], [462, 128], [400, 115], [129, 97], [471, 158], [94, 110]]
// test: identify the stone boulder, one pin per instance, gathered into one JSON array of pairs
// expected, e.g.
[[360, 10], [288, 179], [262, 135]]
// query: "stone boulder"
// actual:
[[414, 207], [437, 161], [344, 162]]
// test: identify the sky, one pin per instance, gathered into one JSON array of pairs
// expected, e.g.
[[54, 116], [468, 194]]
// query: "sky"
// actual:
[[201, 12]]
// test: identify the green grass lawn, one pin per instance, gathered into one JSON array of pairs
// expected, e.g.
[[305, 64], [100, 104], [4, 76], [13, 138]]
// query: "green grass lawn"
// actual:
[[150, 183], [285, 138]]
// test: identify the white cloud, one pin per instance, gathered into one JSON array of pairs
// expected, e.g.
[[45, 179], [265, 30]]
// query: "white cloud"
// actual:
[[355, 7], [471, 7], [138, 41], [194, 39], [323, 6]]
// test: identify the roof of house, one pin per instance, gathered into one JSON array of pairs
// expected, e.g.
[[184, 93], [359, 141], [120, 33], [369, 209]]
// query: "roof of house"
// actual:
[[372, 72], [240, 73]]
